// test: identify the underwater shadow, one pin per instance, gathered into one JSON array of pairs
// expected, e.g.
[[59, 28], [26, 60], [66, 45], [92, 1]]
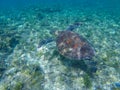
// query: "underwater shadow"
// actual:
[[90, 68]]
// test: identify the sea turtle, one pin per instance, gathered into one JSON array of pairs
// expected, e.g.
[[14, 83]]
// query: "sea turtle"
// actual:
[[70, 44]]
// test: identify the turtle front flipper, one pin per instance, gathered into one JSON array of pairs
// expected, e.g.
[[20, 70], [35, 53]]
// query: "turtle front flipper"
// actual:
[[45, 41], [74, 26]]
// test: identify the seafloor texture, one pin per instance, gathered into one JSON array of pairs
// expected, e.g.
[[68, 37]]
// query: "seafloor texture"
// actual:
[[26, 65]]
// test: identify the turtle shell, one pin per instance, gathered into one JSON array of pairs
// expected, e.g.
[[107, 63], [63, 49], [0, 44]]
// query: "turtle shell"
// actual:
[[73, 46]]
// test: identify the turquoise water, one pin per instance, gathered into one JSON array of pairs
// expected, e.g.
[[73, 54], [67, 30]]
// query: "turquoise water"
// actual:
[[26, 64]]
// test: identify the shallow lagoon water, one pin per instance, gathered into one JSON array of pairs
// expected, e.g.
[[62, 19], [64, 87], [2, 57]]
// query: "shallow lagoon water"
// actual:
[[26, 66]]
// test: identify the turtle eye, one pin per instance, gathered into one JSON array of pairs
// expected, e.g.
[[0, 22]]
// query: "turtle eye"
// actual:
[[88, 57]]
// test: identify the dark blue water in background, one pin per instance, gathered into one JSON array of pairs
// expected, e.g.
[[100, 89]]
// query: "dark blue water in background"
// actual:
[[110, 5]]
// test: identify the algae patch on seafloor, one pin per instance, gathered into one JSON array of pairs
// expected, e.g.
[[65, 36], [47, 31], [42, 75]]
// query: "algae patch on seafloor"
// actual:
[[9, 41], [18, 86], [87, 81], [29, 78]]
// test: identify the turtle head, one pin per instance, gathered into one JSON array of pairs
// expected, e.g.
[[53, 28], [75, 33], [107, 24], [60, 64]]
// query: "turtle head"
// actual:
[[55, 32], [74, 26]]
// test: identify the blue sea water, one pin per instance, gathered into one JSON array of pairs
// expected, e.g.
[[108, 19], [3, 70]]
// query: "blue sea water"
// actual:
[[29, 59]]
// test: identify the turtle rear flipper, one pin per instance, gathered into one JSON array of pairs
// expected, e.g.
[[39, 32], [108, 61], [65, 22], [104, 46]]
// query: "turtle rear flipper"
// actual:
[[45, 41]]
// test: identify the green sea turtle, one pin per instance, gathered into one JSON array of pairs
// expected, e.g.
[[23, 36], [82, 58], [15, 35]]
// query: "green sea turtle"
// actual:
[[70, 44]]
